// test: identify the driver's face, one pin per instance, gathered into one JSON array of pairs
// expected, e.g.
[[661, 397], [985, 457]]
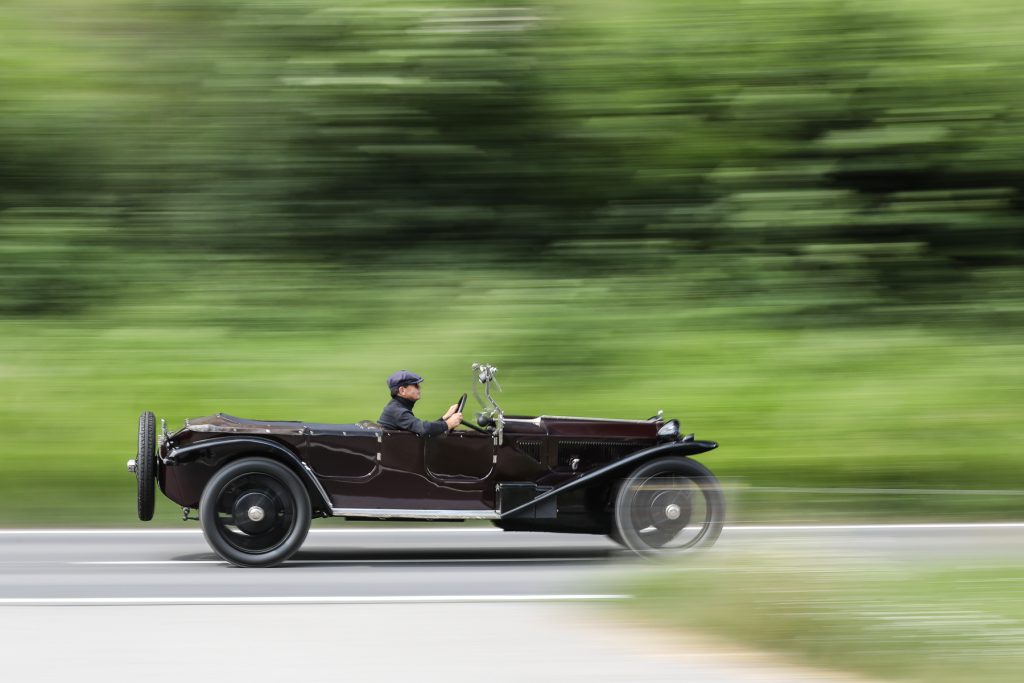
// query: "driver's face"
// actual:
[[410, 391]]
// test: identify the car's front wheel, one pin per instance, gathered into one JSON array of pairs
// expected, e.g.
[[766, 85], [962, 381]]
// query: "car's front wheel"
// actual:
[[668, 506], [255, 512]]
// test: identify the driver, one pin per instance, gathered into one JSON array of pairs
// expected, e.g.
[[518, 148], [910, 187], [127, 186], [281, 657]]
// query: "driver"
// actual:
[[397, 414]]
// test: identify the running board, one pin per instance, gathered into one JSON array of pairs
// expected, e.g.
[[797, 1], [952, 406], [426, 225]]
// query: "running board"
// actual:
[[370, 513]]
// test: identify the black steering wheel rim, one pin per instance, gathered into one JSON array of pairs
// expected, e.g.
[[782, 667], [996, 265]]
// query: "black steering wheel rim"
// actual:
[[459, 407]]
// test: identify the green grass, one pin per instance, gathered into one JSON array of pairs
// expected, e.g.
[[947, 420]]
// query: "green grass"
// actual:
[[897, 406], [932, 623]]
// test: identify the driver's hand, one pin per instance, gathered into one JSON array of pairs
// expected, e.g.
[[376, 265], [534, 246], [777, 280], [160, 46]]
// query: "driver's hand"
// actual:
[[451, 411], [454, 420]]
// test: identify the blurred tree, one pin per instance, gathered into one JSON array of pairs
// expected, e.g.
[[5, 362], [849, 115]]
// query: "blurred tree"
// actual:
[[796, 155]]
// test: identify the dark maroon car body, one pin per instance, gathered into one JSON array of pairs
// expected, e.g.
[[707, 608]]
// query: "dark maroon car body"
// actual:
[[545, 473]]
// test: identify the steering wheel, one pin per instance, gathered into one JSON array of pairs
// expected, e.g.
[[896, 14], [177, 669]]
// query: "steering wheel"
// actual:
[[470, 425]]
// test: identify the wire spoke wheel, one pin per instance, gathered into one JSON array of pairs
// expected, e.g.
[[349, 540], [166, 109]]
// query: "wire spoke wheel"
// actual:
[[668, 506]]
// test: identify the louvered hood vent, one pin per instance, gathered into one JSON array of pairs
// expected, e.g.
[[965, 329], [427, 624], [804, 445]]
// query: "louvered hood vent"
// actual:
[[593, 451], [531, 447]]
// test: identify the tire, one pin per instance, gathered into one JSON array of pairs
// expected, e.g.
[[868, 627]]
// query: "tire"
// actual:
[[614, 535], [656, 507], [145, 466], [255, 512]]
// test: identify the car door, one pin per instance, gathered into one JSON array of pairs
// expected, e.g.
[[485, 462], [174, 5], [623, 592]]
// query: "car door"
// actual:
[[461, 457], [452, 472], [344, 453]]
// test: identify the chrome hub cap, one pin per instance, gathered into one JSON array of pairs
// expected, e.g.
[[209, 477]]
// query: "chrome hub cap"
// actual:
[[672, 511], [255, 512]]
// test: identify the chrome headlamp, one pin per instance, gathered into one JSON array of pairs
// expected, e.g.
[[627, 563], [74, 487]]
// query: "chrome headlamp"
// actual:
[[669, 431]]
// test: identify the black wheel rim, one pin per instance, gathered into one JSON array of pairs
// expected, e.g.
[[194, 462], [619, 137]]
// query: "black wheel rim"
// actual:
[[668, 511], [255, 512]]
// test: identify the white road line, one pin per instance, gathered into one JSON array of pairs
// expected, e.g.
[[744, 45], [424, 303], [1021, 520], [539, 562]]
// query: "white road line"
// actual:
[[196, 530], [882, 526], [304, 600], [873, 527], [484, 560], [879, 491]]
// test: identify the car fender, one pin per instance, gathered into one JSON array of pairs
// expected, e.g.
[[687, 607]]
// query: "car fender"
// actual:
[[220, 451], [619, 467]]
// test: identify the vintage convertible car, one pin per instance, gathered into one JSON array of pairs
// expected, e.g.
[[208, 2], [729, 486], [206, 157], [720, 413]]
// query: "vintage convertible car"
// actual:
[[258, 484]]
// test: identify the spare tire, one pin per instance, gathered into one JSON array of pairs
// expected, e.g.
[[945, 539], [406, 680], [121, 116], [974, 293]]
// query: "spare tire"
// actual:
[[145, 466]]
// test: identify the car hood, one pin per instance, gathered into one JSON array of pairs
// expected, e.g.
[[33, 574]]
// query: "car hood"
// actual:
[[583, 427]]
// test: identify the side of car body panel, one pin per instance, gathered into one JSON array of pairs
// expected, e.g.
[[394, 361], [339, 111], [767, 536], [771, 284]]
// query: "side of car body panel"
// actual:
[[572, 462], [186, 465], [407, 481]]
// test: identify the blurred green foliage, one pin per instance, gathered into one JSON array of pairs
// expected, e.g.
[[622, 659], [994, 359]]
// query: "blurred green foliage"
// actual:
[[795, 222], [816, 158], [885, 407]]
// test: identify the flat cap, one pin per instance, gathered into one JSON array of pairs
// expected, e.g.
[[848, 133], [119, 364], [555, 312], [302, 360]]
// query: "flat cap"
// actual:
[[403, 378]]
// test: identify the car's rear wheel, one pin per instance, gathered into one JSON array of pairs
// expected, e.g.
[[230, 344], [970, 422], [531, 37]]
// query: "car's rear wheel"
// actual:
[[667, 506], [255, 512], [145, 466]]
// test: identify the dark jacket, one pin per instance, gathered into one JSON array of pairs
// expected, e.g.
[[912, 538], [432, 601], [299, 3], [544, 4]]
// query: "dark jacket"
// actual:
[[397, 414]]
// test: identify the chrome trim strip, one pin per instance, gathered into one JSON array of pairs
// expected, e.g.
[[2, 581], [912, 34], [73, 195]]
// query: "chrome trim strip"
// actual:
[[413, 514], [316, 480]]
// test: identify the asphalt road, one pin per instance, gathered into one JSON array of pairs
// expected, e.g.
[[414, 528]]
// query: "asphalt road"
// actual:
[[379, 603]]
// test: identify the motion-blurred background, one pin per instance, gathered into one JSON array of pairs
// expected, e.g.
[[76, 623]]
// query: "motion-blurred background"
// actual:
[[795, 225]]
